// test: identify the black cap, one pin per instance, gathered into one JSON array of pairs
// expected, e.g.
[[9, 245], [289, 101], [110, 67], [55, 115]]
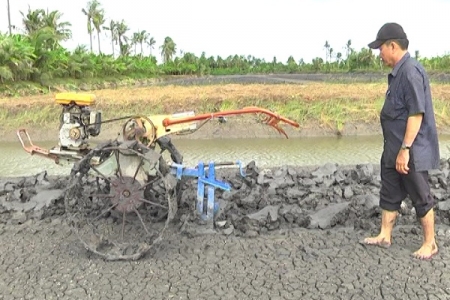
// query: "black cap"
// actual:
[[389, 31]]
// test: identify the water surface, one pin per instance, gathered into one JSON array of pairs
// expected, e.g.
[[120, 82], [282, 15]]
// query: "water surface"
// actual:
[[265, 152]]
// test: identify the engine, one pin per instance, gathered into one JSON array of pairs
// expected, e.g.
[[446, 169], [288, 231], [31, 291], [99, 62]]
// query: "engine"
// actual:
[[77, 121]]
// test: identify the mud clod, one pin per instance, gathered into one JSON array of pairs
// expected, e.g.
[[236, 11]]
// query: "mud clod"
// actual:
[[310, 197], [326, 217]]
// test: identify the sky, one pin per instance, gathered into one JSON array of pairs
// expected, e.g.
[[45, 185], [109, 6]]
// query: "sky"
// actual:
[[263, 28]]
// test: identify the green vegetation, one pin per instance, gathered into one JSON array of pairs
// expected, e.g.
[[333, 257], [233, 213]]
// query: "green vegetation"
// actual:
[[36, 57]]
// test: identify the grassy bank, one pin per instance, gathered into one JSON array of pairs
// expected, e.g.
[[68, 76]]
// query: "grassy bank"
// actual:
[[329, 105], [30, 88]]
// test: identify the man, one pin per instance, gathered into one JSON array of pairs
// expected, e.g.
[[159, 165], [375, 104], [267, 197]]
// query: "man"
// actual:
[[411, 145]]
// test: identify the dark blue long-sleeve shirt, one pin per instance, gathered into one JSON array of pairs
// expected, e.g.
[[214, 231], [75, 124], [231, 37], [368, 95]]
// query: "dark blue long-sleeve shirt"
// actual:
[[409, 94]]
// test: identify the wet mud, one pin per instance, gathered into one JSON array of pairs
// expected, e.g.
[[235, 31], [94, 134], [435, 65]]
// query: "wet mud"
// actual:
[[316, 197], [280, 233]]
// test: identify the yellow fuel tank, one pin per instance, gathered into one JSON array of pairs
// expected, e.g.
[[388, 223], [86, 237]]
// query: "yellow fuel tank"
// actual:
[[79, 99]]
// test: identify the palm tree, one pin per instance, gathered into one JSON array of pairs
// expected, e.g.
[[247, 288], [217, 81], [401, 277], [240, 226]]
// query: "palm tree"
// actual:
[[135, 41], [168, 49], [33, 20], [140, 38], [416, 55], [317, 63], [327, 50], [349, 50], [52, 20], [98, 20], [45, 32], [92, 9], [112, 29], [46, 28], [338, 57], [151, 43], [122, 39], [348, 47], [16, 58]]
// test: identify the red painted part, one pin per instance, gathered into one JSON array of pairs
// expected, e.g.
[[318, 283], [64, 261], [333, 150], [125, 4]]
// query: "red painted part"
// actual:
[[275, 118], [33, 149]]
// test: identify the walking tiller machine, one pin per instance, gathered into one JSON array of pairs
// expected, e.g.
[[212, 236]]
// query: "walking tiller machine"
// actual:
[[122, 193]]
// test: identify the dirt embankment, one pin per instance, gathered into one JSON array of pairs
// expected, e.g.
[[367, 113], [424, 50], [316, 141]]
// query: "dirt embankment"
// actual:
[[323, 104]]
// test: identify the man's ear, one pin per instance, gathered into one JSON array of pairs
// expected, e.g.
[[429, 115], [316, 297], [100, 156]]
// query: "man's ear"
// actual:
[[394, 45]]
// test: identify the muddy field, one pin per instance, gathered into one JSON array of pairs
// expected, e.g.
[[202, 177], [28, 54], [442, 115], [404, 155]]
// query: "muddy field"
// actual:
[[282, 233]]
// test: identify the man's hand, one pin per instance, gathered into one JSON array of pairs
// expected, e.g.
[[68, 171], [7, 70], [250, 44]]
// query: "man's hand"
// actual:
[[401, 164]]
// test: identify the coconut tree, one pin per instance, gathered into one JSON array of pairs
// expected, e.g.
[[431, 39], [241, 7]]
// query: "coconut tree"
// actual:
[[45, 32], [416, 55], [61, 29], [92, 9], [135, 41], [327, 50], [143, 38], [122, 39], [348, 48], [33, 20], [168, 49], [349, 51], [46, 27], [113, 32], [338, 57], [16, 58], [98, 20], [140, 38], [317, 63], [366, 58], [151, 43]]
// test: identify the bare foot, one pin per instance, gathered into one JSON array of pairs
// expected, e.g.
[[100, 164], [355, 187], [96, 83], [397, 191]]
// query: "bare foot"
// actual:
[[380, 241], [427, 251]]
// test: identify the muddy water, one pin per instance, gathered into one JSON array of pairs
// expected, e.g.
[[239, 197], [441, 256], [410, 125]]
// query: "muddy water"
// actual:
[[265, 152]]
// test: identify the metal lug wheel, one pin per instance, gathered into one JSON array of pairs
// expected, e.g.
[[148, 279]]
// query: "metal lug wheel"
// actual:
[[121, 198]]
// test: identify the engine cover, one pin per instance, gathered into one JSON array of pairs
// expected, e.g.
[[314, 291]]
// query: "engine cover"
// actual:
[[77, 125], [71, 136]]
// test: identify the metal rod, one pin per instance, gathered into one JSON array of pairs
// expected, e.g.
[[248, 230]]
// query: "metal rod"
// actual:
[[110, 120], [248, 110]]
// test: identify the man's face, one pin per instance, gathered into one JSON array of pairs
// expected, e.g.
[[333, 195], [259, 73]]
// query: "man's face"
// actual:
[[386, 53]]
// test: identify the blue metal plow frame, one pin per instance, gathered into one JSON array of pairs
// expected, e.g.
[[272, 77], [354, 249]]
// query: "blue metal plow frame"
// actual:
[[206, 181]]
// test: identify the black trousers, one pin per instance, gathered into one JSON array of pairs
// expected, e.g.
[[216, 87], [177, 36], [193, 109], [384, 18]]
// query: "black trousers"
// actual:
[[395, 187]]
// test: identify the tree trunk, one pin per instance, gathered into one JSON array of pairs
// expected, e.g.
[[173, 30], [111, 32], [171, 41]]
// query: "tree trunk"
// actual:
[[90, 36], [112, 44], [98, 37], [9, 18]]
